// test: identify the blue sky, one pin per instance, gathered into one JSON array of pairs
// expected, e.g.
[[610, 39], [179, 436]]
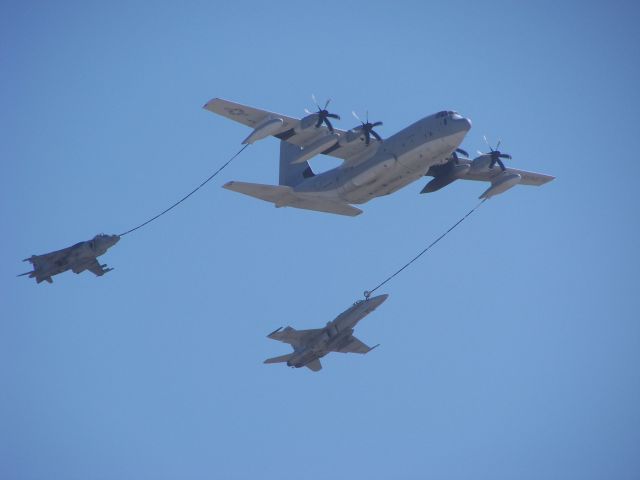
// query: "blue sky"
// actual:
[[511, 350]]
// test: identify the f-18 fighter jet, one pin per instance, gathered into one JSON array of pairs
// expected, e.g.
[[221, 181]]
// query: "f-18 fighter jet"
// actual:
[[311, 345], [78, 258]]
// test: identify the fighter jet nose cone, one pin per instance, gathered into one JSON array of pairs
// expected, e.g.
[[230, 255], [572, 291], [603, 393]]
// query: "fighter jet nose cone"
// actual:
[[379, 299]]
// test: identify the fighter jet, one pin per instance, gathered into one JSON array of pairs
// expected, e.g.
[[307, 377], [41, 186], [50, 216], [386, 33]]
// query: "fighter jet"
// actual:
[[311, 345], [78, 258]]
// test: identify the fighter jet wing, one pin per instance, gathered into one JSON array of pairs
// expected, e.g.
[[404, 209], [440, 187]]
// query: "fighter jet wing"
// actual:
[[94, 267], [296, 338], [353, 345], [252, 117]]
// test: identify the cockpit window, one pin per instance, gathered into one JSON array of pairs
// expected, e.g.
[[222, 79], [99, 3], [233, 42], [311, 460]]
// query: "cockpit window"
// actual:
[[447, 113]]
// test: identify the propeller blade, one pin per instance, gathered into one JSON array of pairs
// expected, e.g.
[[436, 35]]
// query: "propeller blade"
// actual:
[[461, 152], [333, 115], [356, 116], [306, 110], [377, 124], [319, 122], [376, 135], [367, 136], [486, 141], [329, 126], [327, 104], [498, 145], [313, 97], [501, 164], [505, 155]]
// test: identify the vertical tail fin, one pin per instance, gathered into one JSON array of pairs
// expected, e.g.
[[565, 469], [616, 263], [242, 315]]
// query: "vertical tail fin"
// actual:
[[292, 174]]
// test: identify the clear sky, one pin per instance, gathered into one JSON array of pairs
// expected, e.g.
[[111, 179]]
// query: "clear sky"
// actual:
[[511, 350]]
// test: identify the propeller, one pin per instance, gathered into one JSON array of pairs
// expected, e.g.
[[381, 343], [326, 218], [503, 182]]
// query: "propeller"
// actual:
[[458, 151], [367, 127], [497, 155], [323, 114]]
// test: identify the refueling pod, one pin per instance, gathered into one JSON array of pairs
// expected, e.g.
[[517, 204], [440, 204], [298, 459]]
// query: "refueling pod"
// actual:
[[266, 127], [501, 184]]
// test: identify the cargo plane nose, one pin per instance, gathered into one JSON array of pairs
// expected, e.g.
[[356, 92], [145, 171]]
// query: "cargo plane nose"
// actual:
[[463, 124]]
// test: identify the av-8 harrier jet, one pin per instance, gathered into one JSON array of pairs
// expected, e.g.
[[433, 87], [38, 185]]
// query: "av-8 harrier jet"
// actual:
[[77, 258], [311, 345], [371, 167]]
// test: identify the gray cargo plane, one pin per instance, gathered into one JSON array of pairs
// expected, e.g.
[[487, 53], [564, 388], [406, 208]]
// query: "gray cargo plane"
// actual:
[[78, 258], [311, 345], [371, 167]]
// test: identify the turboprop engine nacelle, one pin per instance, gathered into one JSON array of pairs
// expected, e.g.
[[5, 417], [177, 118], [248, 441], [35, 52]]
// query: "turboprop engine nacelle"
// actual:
[[266, 127], [501, 184], [481, 163], [307, 122], [316, 147], [442, 181]]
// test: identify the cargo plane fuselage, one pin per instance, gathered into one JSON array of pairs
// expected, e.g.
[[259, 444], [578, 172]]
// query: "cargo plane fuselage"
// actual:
[[390, 165]]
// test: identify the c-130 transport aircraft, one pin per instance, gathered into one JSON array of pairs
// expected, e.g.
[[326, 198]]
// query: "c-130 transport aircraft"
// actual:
[[371, 167]]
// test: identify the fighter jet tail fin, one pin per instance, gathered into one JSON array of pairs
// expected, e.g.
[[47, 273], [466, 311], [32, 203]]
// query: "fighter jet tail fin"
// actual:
[[280, 359]]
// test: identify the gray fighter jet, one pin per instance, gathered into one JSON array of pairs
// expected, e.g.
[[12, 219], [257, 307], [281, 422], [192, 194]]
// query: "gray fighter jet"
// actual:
[[78, 258], [311, 345]]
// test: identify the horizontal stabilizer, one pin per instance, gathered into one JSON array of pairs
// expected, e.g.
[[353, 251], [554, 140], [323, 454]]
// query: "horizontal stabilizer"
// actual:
[[280, 359], [280, 195], [284, 196]]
